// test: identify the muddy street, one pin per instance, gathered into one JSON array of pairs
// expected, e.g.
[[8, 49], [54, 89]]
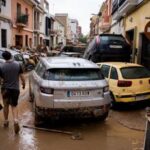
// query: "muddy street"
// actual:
[[121, 131]]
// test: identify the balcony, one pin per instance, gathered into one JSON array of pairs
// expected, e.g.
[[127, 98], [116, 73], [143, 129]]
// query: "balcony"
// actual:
[[22, 20], [126, 5], [52, 32], [114, 6]]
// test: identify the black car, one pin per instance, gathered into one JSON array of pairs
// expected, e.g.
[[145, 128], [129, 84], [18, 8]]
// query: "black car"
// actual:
[[108, 47], [72, 50]]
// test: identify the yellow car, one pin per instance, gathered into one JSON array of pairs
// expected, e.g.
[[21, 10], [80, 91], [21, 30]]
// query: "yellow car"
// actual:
[[128, 82]]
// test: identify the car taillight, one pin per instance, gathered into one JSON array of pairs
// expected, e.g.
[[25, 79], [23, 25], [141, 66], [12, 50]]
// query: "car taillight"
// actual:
[[47, 90], [122, 83]]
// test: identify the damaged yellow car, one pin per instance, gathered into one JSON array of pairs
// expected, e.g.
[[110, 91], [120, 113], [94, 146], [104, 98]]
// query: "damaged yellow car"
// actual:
[[128, 82]]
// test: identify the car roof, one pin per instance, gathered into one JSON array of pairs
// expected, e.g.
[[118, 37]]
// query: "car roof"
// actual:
[[67, 62], [119, 64], [11, 51]]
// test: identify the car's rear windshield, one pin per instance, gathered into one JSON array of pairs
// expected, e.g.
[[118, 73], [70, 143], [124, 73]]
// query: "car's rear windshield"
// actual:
[[135, 72], [107, 39], [73, 74]]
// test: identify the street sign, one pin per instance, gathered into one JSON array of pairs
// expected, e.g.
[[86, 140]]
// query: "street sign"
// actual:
[[147, 30]]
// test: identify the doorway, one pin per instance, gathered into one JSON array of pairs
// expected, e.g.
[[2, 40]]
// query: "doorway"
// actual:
[[19, 41], [145, 51]]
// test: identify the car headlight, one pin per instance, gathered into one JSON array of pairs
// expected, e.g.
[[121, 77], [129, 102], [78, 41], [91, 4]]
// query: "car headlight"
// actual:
[[106, 89]]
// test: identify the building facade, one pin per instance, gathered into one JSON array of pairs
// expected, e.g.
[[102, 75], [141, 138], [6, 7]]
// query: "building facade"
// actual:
[[135, 24], [5, 23], [59, 38], [22, 23]]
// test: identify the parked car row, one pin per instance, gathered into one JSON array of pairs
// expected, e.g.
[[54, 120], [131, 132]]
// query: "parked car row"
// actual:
[[88, 86], [27, 60]]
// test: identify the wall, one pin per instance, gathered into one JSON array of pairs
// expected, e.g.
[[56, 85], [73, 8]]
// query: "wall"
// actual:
[[137, 19]]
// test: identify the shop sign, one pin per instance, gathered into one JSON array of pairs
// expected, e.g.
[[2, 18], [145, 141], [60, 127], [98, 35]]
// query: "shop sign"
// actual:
[[147, 30]]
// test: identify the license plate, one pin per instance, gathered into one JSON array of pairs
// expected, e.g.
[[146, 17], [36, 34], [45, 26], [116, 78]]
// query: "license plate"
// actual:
[[142, 97], [78, 93], [115, 46]]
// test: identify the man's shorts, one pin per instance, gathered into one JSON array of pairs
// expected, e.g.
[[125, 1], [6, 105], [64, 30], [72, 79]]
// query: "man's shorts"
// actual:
[[10, 96]]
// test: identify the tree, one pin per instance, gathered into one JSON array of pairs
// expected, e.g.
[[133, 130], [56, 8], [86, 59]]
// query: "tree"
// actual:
[[83, 39]]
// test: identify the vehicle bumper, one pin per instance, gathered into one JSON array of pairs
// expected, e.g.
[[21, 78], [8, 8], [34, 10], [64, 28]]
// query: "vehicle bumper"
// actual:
[[76, 112], [97, 106], [132, 98]]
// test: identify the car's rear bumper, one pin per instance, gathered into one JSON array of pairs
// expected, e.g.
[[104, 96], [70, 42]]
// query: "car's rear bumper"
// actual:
[[76, 112], [132, 97], [49, 101]]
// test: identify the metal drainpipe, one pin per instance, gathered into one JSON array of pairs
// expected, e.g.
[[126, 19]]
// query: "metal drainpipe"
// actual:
[[134, 45]]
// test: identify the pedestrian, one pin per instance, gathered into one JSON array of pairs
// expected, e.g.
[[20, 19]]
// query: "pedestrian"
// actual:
[[10, 71]]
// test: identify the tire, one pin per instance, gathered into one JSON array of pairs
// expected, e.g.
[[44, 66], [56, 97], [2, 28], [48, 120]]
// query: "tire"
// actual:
[[102, 118], [114, 104], [38, 120], [30, 94]]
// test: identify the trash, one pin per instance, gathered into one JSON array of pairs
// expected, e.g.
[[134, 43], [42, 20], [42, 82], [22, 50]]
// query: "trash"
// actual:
[[74, 135]]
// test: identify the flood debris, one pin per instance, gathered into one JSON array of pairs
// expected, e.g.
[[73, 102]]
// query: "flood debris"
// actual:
[[74, 135]]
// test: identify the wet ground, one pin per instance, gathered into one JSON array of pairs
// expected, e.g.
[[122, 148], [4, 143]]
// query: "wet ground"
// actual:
[[123, 130]]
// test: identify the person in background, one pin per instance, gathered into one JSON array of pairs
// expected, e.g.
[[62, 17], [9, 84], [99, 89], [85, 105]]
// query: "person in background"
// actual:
[[10, 71]]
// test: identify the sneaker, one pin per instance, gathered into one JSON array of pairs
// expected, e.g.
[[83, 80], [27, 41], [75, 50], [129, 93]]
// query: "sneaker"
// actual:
[[6, 124], [16, 128]]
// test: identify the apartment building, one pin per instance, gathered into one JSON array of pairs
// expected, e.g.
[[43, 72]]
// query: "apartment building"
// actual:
[[59, 38], [22, 23], [5, 23], [64, 20], [38, 23], [74, 30]]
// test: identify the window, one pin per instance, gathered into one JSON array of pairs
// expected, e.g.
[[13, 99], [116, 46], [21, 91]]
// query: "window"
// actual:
[[4, 38], [26, 11], [18, 10], [26, 40], [113, 74], [40, 69], [3, 2], [18, 57], [68, 74], [105, 70], [135, 72]]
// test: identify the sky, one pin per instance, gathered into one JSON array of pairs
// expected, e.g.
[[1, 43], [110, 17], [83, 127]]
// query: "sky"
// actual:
[[81, 10]]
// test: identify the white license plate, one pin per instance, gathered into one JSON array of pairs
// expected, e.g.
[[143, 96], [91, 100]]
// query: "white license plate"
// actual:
[[142, 97], [115, 46], [78, 93]]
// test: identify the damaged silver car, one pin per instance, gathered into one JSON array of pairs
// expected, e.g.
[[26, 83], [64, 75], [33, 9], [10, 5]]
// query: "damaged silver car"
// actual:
[[68, 87]]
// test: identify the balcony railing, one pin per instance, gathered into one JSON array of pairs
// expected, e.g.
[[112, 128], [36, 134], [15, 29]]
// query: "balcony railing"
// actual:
[[121, 2], [127, 5], [22, 20], [114, 6], [122, 7]]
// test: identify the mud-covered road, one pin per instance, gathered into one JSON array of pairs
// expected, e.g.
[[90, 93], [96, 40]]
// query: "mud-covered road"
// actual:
[[123, 130]]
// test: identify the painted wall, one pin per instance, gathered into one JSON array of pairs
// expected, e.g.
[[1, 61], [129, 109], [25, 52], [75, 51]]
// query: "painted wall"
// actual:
[[28, 30], [6, 13], [61, 33], [137, 19]]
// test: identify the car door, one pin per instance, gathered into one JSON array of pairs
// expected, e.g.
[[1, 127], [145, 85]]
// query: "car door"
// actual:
[[105, 70], [36, 79], [113, 79]]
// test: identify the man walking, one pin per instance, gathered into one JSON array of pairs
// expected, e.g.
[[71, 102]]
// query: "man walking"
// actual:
[[10, 71]]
